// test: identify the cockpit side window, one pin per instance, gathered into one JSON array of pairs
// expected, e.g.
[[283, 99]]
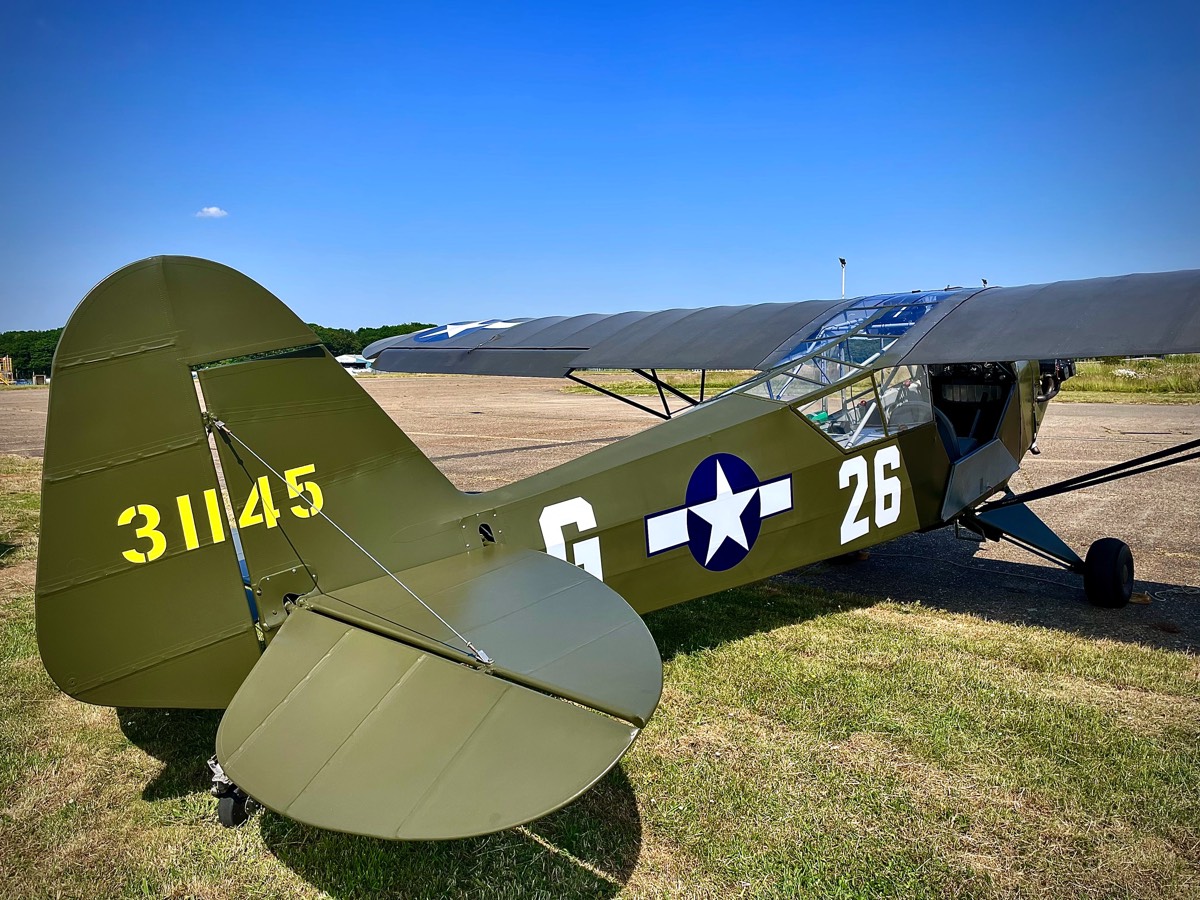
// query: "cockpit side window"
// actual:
[[848, 415], [904, 397], [828, 379], [873, 407]]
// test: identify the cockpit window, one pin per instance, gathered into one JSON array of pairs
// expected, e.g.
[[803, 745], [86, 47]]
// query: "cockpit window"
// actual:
[[828, 379], [875, 406], [849, 415], [904, 397], [843, 346]]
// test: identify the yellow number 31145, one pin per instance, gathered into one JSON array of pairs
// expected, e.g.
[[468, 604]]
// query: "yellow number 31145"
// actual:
[[260, 497]]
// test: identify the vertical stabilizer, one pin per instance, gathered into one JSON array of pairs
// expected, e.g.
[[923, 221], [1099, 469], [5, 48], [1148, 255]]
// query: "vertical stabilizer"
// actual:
[[139, 595]]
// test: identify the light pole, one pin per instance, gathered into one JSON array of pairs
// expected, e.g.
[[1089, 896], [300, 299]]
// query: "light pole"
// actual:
[[843, 262]]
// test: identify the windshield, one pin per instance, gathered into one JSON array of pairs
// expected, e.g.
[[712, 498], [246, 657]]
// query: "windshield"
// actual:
[[843, 346]]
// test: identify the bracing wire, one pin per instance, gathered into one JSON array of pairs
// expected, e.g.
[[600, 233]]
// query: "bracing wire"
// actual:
[[475, 652]]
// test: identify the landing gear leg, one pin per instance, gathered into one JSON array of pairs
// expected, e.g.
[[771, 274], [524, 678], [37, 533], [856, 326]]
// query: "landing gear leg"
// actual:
[[1107, 572], [233, 805]]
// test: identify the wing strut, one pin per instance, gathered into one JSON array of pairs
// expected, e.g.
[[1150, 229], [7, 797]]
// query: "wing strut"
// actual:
[[1148, 463], [664, 387]]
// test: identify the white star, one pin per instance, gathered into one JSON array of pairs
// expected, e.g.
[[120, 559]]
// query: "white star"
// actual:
[[460, 327], [724, 514]]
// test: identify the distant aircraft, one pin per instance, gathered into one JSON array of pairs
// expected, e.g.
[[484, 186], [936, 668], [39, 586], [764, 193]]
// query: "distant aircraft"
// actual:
[[401, 659]]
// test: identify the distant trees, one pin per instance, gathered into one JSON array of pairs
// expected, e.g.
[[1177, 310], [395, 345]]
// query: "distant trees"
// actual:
[[33, 351], [336, 340], [343, 340], [370, 335]]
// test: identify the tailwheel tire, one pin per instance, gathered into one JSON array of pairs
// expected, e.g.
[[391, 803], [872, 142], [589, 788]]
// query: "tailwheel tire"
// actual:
[[1108, 573], [232, 810]]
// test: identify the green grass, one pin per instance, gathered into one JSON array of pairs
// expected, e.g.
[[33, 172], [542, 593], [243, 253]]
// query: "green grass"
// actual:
[[687, 381], [1172, 379], [1146, 399], [807, 744], [1170, 375]]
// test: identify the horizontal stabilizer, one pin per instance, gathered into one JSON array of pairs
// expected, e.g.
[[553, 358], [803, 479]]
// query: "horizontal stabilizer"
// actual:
[[545, 623], [346, 729]]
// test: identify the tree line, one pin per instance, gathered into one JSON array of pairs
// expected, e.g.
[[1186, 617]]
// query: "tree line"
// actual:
[[343, 340], [32, 352]]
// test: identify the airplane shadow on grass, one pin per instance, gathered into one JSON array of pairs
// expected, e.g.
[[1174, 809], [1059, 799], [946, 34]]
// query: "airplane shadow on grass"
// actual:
[[943, 572], [589, 848], [182, 739]]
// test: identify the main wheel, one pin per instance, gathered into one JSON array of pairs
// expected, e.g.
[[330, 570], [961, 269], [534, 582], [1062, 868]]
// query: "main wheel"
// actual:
[[1108, 573]]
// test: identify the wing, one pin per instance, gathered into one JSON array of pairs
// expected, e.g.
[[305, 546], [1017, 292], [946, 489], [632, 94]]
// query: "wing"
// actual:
[[1119, 316], [1126, 315], [717, 337]]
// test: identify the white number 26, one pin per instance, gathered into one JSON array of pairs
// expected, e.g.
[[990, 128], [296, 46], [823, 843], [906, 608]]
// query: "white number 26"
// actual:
[[887, 492]]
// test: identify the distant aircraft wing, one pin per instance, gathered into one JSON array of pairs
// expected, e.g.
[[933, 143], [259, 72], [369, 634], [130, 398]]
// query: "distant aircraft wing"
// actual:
[[1126, 315]]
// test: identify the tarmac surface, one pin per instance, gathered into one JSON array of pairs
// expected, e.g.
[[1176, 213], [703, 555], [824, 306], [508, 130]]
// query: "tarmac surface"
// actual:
[[485, 432]]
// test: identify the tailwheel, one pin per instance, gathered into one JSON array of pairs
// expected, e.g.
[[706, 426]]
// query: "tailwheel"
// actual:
[[233, 810], [234, 807], [1108, 573]]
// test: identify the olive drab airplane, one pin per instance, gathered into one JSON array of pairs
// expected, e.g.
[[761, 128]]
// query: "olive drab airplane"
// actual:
[[229, 521]]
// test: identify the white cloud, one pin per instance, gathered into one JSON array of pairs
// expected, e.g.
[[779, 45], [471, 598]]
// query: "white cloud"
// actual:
[[211, 212]]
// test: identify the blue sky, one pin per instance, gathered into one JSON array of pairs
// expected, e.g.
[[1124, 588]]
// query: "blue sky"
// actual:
[[439, 161]]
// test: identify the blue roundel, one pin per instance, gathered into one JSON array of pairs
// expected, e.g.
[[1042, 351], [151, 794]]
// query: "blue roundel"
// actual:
[[724, 511]]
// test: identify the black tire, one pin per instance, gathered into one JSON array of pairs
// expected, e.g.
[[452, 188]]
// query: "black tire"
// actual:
[[1108, 573], [231, 811]]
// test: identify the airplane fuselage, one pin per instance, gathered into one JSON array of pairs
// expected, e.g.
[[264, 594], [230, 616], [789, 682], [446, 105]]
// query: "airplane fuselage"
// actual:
[[741, 488]]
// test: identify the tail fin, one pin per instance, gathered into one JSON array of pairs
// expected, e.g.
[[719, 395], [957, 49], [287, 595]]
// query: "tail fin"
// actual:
[[139, 593]]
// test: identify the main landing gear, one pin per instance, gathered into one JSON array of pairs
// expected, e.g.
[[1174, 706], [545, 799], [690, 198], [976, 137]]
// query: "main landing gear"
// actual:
[[1108, 573], [1108, 570], [233, 805]]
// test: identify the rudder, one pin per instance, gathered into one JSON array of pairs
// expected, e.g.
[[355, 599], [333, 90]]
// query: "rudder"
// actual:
[[139, 598]]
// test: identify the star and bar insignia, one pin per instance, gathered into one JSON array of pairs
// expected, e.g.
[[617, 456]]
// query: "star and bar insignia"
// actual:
[[726, 505]]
